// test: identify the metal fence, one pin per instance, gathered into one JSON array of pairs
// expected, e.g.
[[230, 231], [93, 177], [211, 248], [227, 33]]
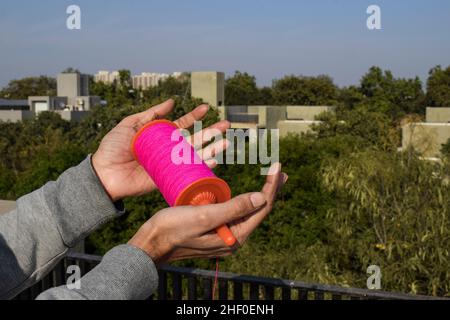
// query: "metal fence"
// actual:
[[176, 283]]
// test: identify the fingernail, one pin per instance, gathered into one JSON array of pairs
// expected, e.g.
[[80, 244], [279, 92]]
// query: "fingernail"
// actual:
[[257, 199]]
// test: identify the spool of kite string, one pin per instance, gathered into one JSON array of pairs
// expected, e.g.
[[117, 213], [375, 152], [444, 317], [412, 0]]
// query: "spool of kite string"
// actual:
[[181, 182]]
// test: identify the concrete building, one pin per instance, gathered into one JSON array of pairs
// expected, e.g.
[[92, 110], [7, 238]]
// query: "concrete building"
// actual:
[[437, 115], [46, 103], [6, 104], [72, 101], [429, 136], [72, 85], [15, 115], [72, 95], [288, 119], [300, 119], [209, 86]]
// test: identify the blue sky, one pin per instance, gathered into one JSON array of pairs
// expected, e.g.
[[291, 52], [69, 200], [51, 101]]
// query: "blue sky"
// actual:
[[266, 38]]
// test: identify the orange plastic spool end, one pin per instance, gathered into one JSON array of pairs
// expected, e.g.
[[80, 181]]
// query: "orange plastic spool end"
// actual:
[[208, 191]]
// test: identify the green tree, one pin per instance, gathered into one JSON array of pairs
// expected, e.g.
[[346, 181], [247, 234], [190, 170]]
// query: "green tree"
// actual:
[[438, 87], [70, 70], [125, 78], [241, 89], [301, 90], [394, 97], [31, 86]]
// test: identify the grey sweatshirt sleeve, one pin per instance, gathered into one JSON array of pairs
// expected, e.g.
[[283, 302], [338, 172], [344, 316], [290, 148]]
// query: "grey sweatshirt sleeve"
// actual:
[[125, 273], [54, 218]]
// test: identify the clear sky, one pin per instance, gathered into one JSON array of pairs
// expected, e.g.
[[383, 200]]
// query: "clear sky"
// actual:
[[266, 38]]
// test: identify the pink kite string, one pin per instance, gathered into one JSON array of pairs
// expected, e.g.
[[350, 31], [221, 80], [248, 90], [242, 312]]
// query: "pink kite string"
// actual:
[[153, 149]]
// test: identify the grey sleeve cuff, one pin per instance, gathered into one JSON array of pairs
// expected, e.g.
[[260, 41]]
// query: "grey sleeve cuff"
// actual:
[[81, 202], [125, 273]]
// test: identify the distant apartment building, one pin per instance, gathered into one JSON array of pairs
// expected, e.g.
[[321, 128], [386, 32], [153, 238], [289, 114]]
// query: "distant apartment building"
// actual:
[[143, 81], [106, 76]]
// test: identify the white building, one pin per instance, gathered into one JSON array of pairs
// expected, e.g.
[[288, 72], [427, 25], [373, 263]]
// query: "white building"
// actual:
[[143, 81], [106, 76]]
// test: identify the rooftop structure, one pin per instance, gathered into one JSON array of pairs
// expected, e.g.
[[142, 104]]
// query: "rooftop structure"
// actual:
[[72, 101], [6, 104], [288, 119], [209, 86], [429, 136]]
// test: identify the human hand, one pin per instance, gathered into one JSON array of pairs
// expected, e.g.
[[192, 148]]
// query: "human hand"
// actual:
[[114, 163], [188, 232]]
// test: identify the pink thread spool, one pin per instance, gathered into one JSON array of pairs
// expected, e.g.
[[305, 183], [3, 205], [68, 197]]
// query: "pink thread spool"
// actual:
[[180, 184]]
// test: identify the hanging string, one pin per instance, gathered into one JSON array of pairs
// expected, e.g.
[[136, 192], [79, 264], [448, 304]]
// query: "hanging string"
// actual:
[[216, 276]]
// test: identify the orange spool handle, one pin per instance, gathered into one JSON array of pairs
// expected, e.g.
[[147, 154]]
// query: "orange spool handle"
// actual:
[[208, 191]]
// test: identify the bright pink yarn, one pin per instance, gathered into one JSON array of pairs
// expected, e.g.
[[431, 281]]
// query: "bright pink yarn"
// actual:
[[153, 149]]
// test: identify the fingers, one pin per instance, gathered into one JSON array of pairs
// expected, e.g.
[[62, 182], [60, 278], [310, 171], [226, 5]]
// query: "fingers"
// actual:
[[269, 190], [188, 120], [138, 120], [213, 149], [208, 241], [202, 137], [272, 181], [215, 215], [211, 163]]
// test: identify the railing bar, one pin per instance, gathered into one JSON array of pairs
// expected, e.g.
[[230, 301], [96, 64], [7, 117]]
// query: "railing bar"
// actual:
[[286, 293], [207, 289], [223, 290], [318, 295], [302, 294], [162, 286], [192, 288], [177, 287], [336, 297], [254, 291], [46, 283], [237, 290], [269, 292]]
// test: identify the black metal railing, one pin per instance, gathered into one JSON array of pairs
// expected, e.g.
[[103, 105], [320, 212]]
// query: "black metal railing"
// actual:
[[176, 283]]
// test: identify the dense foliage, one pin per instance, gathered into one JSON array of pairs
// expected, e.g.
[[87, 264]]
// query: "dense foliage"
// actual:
[[352, 199], [31, 86]]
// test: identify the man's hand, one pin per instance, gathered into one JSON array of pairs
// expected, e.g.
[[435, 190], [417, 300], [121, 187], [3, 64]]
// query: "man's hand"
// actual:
[[188, 232], [120, 173]]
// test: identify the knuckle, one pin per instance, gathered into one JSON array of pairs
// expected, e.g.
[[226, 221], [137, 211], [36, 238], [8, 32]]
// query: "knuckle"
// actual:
[[203, 219], [240, 206]]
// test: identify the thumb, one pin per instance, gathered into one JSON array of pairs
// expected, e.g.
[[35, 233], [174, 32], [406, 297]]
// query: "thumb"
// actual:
[[236, 208]]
